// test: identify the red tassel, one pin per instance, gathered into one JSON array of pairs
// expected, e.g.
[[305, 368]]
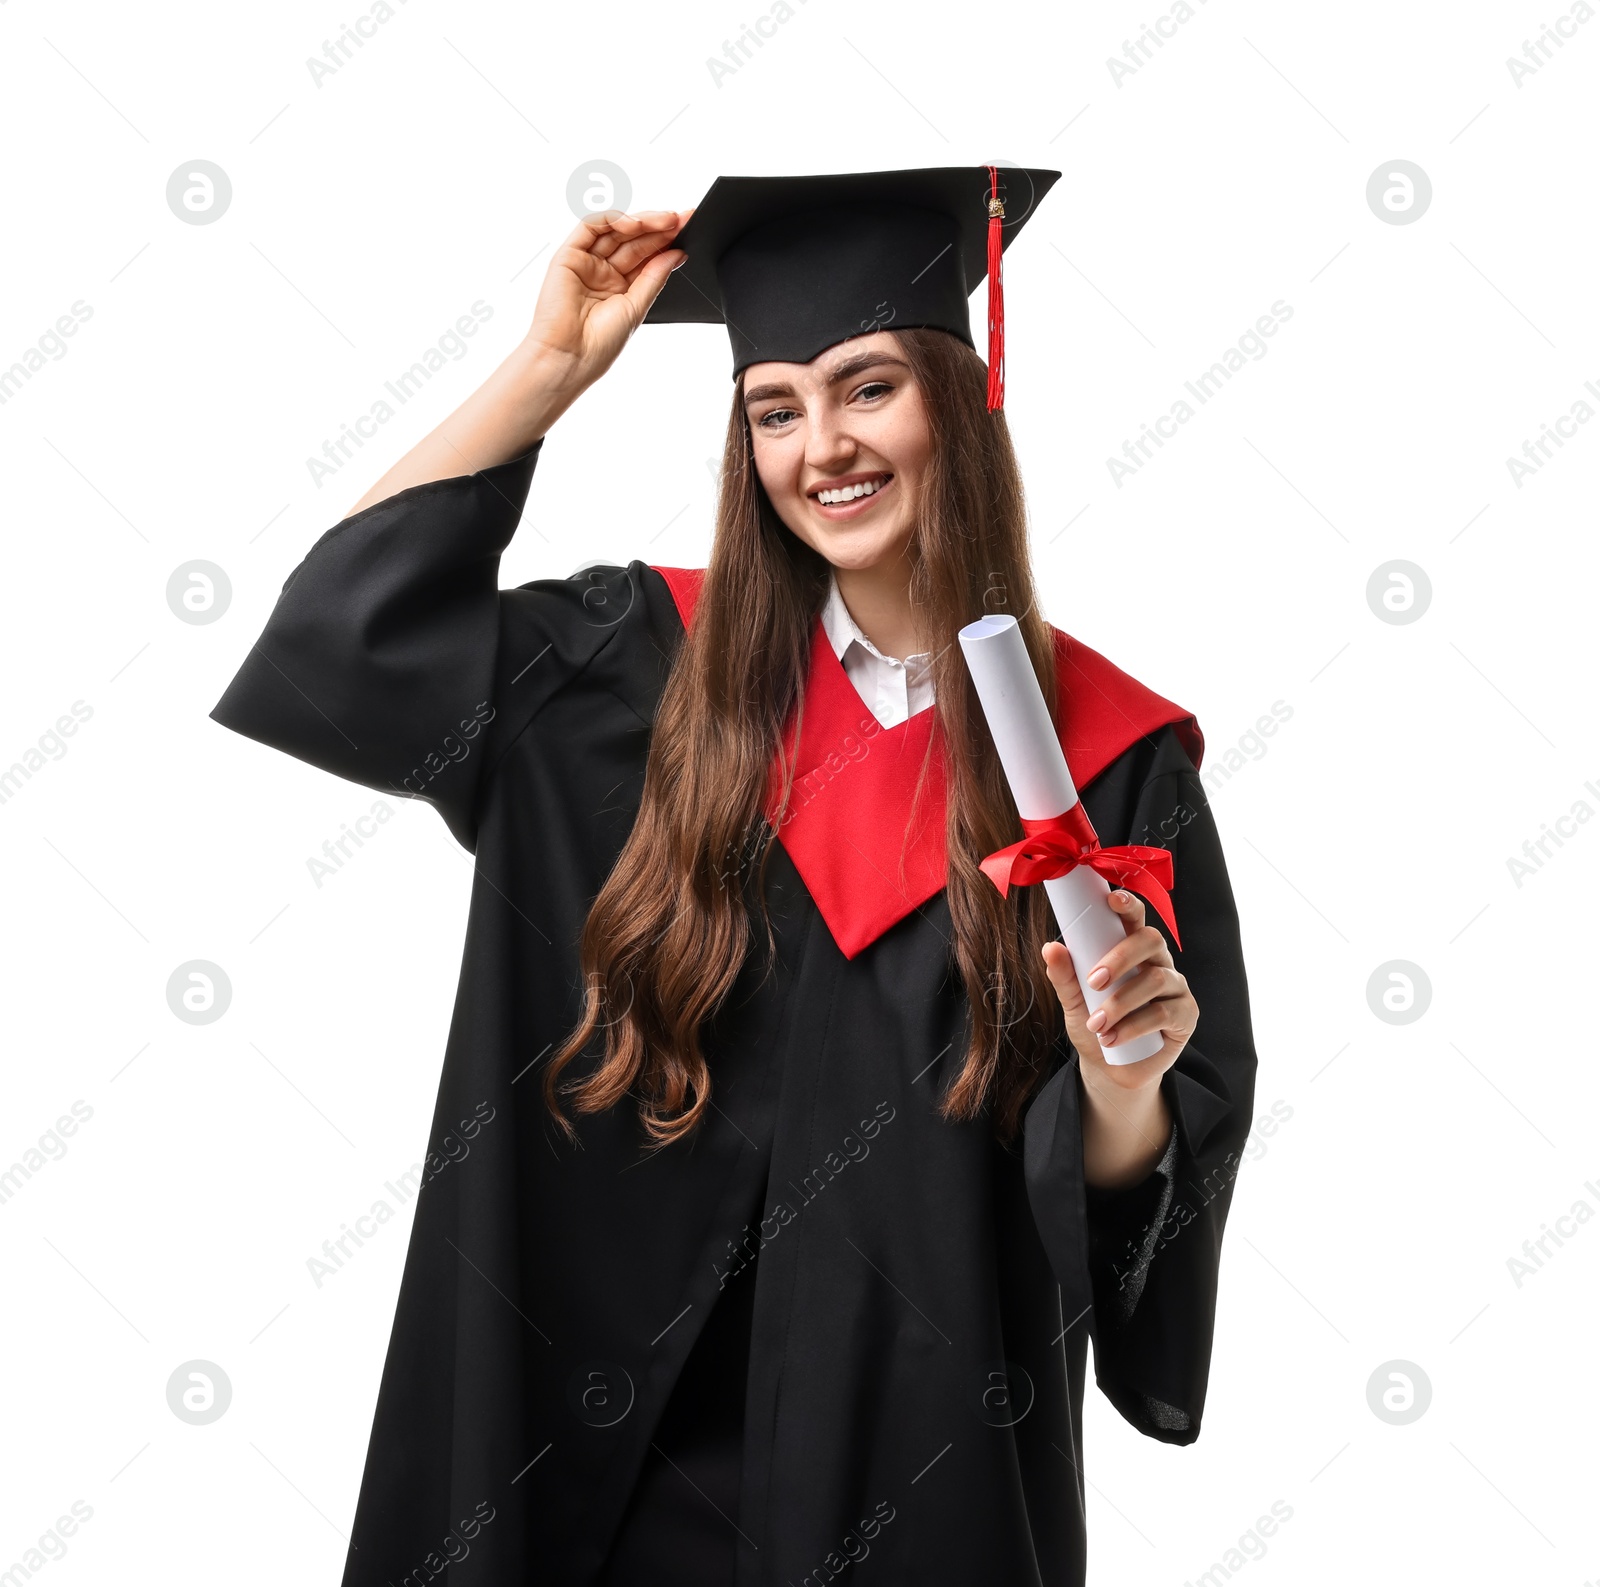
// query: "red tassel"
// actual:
[[997, 301]]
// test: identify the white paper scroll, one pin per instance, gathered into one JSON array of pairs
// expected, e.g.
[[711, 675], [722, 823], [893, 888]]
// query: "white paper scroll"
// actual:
[[1036, 769]]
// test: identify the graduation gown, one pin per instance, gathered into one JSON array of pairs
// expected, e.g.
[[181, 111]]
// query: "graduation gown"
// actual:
[[906, 1305]]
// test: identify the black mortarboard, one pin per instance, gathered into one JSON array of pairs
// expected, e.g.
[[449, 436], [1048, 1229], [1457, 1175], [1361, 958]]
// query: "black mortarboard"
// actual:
[[793, 264]]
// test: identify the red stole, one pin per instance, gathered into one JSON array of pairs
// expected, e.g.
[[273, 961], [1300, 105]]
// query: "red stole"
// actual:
[[867, 854]]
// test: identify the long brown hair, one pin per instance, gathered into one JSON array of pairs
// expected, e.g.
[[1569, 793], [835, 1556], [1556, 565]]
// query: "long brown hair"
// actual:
[[669, 931]]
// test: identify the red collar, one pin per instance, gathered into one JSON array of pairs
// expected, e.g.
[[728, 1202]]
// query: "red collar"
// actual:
[[867, 856]]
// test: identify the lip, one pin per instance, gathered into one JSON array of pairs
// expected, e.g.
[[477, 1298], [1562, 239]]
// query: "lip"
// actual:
[[851, 509]]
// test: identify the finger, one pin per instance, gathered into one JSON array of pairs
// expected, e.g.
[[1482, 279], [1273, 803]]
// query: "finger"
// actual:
[[650, 279], [632, 252], [591, 228], [1174, 1017], [608, 266], [596, 276], [1145, 985], [1064, 981], [1064, 978], [600, 232], [1129, 908], [1143, 944], [625, 230]]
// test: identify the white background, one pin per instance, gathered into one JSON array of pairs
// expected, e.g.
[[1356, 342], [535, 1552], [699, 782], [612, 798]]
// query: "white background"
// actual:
[[368, 213]]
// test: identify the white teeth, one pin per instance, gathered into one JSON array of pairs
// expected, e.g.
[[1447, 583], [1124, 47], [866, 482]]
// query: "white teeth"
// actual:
[[832, 498]]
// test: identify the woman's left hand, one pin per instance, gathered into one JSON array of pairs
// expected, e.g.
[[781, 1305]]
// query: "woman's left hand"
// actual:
[[1155, 997]]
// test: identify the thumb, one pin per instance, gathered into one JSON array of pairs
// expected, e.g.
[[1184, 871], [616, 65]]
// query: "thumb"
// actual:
[[652, 276], [1063, 975]]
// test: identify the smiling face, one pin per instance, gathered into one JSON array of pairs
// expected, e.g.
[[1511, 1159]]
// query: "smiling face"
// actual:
[[841, 445]]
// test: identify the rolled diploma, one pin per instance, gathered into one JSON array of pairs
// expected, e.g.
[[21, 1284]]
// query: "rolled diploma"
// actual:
[[1035, 767]]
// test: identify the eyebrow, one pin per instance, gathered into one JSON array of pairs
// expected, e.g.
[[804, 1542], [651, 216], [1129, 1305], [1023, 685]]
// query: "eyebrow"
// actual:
[[850, 368]]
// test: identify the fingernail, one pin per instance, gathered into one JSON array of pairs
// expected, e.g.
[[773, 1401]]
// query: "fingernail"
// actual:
[[1098, 978], [1124, 898], [1097, 1019], [1109, 1037]]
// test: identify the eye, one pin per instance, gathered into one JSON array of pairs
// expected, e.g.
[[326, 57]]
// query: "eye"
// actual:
[[874, 385], [779, 414]]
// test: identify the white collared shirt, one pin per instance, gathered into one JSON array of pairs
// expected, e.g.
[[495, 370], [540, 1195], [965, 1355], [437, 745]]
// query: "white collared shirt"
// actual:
[[893, 690]]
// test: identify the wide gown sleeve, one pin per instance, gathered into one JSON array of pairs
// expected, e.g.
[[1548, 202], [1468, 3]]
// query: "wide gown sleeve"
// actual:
[[1140, 1264], [394, 659]]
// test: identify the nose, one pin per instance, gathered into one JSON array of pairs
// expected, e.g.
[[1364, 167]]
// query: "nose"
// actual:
[[829, 444]]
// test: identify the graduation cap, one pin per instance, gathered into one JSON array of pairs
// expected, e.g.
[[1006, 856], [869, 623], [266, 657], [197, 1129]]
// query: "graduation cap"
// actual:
[[793, 264]]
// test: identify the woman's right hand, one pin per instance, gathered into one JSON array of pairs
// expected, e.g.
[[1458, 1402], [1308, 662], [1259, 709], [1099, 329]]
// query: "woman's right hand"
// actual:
[[596, 293], [599, 287]]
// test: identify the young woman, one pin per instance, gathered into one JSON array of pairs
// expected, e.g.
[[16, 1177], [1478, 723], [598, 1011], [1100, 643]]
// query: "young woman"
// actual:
[[777, 1178]]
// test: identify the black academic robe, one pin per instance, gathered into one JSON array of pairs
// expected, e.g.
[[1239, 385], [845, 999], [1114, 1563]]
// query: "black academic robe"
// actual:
[[921, 1299]]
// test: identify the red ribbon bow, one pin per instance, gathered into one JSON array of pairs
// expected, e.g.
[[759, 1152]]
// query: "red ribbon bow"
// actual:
[[1061, 843]]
